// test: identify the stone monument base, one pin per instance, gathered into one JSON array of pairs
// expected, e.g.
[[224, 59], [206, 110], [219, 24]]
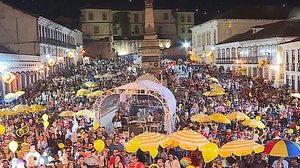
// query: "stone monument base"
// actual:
[[150, 52]]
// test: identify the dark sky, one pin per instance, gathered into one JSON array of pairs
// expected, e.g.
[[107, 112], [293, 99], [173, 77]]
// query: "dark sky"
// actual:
[[206, 8]]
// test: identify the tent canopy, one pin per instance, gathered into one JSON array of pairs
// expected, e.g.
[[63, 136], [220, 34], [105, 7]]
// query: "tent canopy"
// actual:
[[148, 77], [163, 91]]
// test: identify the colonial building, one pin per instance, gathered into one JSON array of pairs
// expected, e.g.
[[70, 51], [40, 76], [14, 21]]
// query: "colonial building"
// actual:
[[28, 41], [291, 51], [103, 23], [257, 52], [206, 35]]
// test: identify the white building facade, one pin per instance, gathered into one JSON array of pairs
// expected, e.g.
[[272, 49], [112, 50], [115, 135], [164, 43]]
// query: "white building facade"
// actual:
[[206, 35], [103, 23], [28, 41], [291, 52], [244, 57]]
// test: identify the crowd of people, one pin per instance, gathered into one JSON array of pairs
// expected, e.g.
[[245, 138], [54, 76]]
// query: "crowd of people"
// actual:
[[42, 147]]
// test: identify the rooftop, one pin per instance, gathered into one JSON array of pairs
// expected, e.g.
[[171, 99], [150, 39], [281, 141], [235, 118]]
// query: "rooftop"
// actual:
[[286, 28], [256, 12]]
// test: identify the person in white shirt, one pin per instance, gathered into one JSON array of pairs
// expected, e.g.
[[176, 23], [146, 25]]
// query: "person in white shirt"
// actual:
[[281, 160], [32, 157]]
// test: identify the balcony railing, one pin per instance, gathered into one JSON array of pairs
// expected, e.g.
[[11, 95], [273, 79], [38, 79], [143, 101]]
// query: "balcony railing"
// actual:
[[225, 60], [249, 60], [232, 60], [57, 43]]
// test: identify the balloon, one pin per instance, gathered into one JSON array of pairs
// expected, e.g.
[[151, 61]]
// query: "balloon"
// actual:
[[96, 126], [209, 152], [180, 105], [13, 146], [185, 161], [153, 166], [190, 166], [61, 145], [51, 62], [45, 117], [2, 129], [153, 153], [291, 131], [46, 124], [258, 118], [99, 145]]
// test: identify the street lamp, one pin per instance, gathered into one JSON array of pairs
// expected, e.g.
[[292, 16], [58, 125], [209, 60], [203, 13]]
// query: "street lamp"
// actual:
[[186, 45], [3, 67]]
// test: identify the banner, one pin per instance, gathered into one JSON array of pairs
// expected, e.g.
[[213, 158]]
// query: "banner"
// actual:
[[182, 71]]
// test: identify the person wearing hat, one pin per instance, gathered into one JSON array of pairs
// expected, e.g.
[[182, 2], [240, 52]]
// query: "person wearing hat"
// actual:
[[294, 163]]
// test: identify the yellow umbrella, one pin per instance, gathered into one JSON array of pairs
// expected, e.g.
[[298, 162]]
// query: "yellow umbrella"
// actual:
[[201, 118], [217, 92], [82, 92], [20, 93], [7, 112], [188, 140], [216, 86], [218, 117], [20, 108], [97, 93], [36, 108], [10, 96], [67, 114], [213, 79], [237, 116], [208, 94], [98, 76], [297, 95], [108, 76], [90, 84], [151, 141], [254, 123], [240, 148], [85, 112]]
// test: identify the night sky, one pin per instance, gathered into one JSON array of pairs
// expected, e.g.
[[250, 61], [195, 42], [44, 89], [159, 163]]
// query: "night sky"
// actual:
[[206, 8]]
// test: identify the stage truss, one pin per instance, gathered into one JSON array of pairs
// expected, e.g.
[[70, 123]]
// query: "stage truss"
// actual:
[[119, 90]]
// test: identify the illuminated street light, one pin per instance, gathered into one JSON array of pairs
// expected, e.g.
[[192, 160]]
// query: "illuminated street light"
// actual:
[[186, 45], [3, 67]]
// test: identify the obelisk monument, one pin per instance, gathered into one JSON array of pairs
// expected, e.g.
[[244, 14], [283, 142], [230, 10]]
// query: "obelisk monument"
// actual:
[[150, 49]]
